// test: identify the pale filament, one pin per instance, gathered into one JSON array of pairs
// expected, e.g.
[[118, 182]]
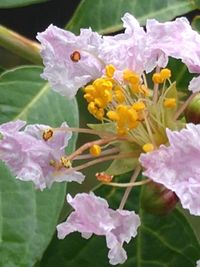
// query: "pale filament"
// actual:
[[128, 189], [155, 88], [129, 184], [184, 106], [107, 158], [84, 130], [103, 153]]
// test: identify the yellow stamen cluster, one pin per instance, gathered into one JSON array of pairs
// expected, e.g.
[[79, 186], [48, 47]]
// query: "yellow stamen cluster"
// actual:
[[162, 76], [126, 118], [99, 95], [169, 102], [95, 150], [102, 92], [148, 147]]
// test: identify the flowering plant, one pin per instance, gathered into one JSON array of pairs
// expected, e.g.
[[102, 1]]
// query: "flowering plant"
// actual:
[[145, 128]]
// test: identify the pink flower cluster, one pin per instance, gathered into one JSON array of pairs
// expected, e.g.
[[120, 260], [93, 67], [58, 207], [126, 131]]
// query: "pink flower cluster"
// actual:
[[70, 63]]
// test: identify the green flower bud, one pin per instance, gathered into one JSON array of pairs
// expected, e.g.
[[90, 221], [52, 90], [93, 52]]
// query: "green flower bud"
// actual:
[[192, 112], [157, 199]]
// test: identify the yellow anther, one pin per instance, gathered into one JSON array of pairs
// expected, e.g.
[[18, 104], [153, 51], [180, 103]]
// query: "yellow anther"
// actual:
[[119, 96], [138, 106], [131, 76], [112, 115], [92, 108], [133, 124], [65, 162], [107, 85], [157, 78], [99, 102], [95, 150], [148, 147], [88, 97], [122, 110], [135, 88], [132, 115], [47, 134], [104, 177], [107, 95], [99, 114], [117, 87], [90, 89], [144, 90], [132, 118], [110, 69], [169, 102], [96, 111], [52, 162], [102, 84], [165, 73], [97, 82]]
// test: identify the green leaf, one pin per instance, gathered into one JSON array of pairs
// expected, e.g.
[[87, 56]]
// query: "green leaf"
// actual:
[[162, 241], [180, 74], [197, 3], [194, 222], [18, 3], [28, 217], [105, 16], [1, 69]]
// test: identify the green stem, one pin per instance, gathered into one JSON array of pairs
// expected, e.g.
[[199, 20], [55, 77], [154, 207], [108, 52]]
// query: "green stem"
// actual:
[[20, 45]]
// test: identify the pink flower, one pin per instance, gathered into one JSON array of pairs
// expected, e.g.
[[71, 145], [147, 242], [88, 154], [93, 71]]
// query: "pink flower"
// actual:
[[93, 216], [30, 157], [70, 61], [178, 166]]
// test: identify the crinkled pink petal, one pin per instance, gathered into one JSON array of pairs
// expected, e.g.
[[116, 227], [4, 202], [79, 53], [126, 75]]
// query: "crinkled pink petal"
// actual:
[[12, 126], [67, 175], [59, 139], [126, 224], [67, 76], [178, 166], [175, 39], [93, 216], [88, 214], [125, 50], [117, 253]]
